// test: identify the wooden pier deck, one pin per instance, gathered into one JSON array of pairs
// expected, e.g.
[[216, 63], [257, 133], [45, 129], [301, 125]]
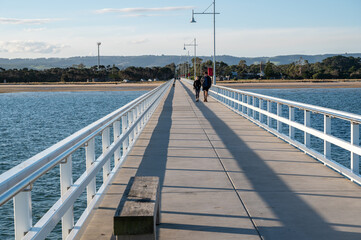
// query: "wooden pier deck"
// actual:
[[222, 177]]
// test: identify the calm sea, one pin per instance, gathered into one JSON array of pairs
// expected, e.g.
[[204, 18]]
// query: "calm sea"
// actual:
[[32, 122], [344, 99]]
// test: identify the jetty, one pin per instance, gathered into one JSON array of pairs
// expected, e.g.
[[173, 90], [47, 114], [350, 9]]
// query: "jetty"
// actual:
[[223, 177], [226, 169]]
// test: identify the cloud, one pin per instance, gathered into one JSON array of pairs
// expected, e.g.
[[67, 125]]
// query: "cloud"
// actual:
[[30, 47], [139, 41], [25, 21], [137, 10], [34, 29]]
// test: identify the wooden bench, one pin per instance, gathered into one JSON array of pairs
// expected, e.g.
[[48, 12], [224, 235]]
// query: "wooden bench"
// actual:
[[138, 211]]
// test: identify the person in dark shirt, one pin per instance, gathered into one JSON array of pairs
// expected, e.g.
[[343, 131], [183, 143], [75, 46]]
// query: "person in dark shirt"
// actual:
[[197, 87], [207, 83]]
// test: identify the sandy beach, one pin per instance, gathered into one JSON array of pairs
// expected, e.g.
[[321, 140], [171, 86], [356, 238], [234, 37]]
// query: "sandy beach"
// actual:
[[285, 85], [8, 88]]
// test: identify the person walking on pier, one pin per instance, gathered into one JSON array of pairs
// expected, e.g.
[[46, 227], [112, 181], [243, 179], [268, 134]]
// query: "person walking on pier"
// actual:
[[207, 83], [197, 87]]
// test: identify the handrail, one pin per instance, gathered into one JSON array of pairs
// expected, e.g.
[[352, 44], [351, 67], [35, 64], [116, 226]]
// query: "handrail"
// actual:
[[29, 169], [312, 108], [245, 104], [15, 182]]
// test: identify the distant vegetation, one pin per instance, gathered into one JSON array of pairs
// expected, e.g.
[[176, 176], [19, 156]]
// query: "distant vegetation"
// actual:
[[336, 67], [79, 73], [150, 61]]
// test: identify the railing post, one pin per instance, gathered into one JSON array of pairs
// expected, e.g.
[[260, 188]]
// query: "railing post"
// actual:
[[239, 98], [22, 213], [66, 180], [260, 107], [105, 145], [243, 101], [124, 129], [268, 110], [226, 97], [279, 108], [248, 103], [355, 136], [291, 117], [326, 130], [116, 135], [143, 109], [130, 123], [90, 158], [307, 123], [254, 105]]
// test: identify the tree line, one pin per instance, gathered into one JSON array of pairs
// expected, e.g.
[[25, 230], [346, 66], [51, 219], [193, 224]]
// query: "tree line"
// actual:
[[337, 67], [79, 73]]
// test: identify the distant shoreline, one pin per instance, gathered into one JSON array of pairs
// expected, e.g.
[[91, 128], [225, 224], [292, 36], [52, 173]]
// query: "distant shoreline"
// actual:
[[77, 87], [279, 84], [243, 84]]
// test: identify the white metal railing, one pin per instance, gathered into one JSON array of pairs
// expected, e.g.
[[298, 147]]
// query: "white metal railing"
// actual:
[[245, 104], [127, 123]]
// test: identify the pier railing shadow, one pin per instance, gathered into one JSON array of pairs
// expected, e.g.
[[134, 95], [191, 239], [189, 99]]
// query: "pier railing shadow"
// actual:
[[283, 202], [154, 162]]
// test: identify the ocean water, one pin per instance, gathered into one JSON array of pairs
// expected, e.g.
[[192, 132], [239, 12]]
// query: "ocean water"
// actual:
[[343, 99], [31, 122]]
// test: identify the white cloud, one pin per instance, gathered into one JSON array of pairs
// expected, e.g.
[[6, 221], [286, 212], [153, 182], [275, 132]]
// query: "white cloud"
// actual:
[[34, 29], [25, 21], [139, 41], [134, 10], [30, 47]]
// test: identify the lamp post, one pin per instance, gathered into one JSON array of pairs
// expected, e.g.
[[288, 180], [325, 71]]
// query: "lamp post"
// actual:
[[98, 43], [188, 65], [194, 43], [214, 34]]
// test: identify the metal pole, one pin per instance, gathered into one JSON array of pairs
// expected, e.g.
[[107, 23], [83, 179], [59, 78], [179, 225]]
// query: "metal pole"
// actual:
[[188, 66], [195, 59], [98, 43], [214, 42]]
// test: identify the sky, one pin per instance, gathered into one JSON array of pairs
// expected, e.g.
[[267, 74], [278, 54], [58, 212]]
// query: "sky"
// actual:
[[244, 28]]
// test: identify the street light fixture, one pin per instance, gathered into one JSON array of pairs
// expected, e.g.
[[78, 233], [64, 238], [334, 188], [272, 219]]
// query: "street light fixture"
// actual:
[[98, 43], [214, 34], [194, 43]]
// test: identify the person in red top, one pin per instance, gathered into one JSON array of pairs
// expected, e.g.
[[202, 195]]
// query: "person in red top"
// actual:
[[207, 83]]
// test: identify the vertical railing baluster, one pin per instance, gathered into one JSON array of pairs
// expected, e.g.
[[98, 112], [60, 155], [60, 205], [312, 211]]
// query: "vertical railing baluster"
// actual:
[[243, 101], [260, 107], [269, 111], [279, 111], [130, 124], [248, 103], [22, 213], [307, 123], [291, 117], [135, 129], [124, 129], [326, 130], [66, 180], [254, 105], [355, 140], [239, 95], [105, 145], [90, 158], [143, 118], [116, 135]]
